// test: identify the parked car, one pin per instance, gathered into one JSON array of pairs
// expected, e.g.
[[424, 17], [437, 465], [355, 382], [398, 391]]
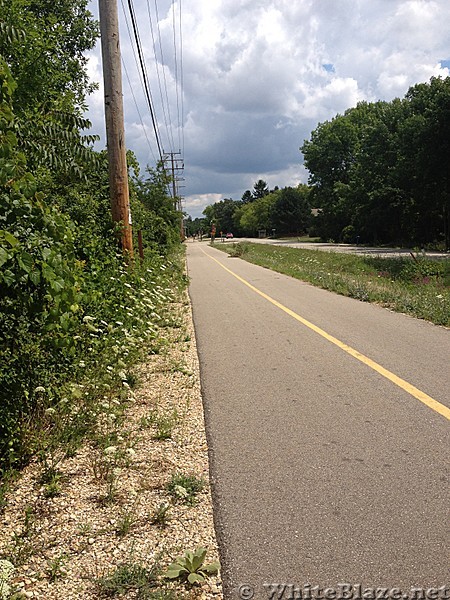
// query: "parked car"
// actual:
[[229, 236]]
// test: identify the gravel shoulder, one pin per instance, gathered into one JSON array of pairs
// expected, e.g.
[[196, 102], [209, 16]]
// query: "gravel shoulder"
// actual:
[[63, 546]]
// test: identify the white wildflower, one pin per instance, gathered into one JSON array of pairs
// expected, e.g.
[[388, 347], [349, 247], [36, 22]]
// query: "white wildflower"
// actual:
[[110, 450], [39, 389], [6, 571], [180, 491]]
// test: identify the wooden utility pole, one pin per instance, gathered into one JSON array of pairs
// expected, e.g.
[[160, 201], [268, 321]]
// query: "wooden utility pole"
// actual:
[[115, 135]]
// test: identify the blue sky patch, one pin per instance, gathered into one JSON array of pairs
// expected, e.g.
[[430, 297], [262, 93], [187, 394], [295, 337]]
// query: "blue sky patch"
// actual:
[[328, 67]]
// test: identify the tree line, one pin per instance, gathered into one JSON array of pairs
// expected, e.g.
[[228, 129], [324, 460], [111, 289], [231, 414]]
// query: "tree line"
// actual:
[[380, 171], [283, 211], [379, 174]]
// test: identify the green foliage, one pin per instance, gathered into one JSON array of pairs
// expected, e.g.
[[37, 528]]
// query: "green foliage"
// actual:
[[195, 226], [40, 282], [285, 210], [44, 44], [55, 568], [221, 214], [125, 523], [74, 317], [129, 576], [164, 424], [377, 171], [191, 567], [161, 515], [154, 211], [184, 488], [238, 250], [64, 291], [260, 189]]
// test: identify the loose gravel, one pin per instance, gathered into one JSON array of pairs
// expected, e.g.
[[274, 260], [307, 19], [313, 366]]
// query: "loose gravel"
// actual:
[[66, 546]]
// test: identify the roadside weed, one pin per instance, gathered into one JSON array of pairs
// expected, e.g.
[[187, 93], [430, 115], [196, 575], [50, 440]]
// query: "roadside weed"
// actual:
[[185, 488], [55, 568], [161, 515], [129, 576], [191, 567]]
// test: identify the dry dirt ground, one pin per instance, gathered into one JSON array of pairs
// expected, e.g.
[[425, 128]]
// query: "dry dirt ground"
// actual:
[[110, 523]]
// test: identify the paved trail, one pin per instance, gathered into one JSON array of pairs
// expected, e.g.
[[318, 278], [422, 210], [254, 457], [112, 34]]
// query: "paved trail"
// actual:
[[327, 422]]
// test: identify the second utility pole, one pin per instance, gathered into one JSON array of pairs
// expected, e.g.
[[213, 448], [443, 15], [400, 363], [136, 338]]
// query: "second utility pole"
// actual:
[[115, 134]]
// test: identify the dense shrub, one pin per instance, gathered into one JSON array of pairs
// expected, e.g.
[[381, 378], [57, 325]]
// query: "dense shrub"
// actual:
[[73, 316]]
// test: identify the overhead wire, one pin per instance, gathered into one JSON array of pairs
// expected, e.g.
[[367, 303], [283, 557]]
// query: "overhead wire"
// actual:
[[163, 62], [166, 112], [130, 35], [138, 111], [145, 77], [176, 70], [181, 124]]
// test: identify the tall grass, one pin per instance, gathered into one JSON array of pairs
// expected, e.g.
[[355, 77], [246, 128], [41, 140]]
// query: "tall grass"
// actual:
[[420, 287]]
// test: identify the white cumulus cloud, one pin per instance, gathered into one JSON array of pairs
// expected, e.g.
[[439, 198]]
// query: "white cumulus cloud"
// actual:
[[258, 76]]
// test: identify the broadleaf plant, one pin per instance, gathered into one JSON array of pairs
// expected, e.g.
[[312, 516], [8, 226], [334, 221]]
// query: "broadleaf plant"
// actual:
[[190, 567]]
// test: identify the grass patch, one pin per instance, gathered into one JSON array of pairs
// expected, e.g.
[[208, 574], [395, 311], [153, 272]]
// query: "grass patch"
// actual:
[[127, 577], [420, 288], [185, 488]]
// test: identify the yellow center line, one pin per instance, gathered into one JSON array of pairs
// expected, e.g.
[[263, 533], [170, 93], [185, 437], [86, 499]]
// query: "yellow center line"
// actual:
[[404, 385]]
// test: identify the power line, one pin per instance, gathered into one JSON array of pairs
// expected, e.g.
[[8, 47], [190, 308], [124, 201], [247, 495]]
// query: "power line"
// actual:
[[138, 112], [144, 80], [132, 46], [163, 63], [176, 67], [166, 114], [144, 75], [182, 83]]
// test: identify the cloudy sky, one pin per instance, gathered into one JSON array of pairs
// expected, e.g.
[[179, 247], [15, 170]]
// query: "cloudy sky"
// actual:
[[240, 84]]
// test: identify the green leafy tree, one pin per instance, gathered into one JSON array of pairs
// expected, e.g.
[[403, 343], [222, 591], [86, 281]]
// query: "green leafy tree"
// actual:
[[40, 283], [48, 61], [44, 44], [290, 212], [377, 171], [195, 226], [221, 214], [154, 211], [247, 196], [254, 216], [426, 154], [260, 189]]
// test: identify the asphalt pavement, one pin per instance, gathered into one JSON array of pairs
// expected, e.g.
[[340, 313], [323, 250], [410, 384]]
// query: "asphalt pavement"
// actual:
[[327, 425]]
